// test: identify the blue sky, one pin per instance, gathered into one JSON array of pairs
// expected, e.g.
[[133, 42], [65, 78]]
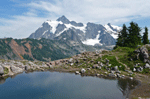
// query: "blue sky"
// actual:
[[20, 18]]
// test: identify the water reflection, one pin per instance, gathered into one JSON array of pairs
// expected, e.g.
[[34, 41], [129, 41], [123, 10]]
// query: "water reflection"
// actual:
[[2, 80], [126, 85]]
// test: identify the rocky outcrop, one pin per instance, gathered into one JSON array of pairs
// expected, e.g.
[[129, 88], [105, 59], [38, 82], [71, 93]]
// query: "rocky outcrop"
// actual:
[[143, 53]]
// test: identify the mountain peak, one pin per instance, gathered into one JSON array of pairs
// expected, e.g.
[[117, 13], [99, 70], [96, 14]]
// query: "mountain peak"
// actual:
[[109, 24], [63, 19]]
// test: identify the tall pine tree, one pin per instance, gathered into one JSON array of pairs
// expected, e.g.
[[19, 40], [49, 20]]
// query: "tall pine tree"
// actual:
[[134, 37], [122, 37], [145, 36]]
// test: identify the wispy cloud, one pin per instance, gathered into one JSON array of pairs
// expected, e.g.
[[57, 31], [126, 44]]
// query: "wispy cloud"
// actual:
[[99, 11]]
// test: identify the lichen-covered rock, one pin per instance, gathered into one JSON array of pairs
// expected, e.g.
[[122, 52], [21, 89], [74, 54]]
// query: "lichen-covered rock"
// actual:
[[1, 70]]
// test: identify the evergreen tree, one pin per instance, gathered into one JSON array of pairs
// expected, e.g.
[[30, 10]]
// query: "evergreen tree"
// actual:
[[134, 37], [119, 40], [145, 36], [122, 37]]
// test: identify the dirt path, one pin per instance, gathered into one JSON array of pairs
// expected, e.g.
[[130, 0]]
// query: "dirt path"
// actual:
[[122, 63]]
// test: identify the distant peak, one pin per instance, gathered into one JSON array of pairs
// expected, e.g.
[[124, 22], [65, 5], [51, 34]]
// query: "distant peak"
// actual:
[[63, 19], [109, 24]]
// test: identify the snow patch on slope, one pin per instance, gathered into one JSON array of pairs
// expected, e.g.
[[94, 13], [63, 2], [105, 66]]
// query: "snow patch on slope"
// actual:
[[71, 26], [61, 32], [92, 41], [117, 27], [114, 34], [76, 27], [54, 24], [108, 28], [45, 32]]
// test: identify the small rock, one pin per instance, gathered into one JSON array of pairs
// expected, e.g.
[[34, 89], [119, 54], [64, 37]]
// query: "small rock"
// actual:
[[134, 69], [83, 70], [27, 67], [122, 76], [98, 67], [97, 75], [116, 68], [50, 66], [95, 65], [140, 69], [131, 78], [112, 71], [71, 64], [77, 72], [147, 65], [109, 65], [101, 64], [130, 72], [70, 60], [88, 68], [118, 75], [118, 71], [130, 59]]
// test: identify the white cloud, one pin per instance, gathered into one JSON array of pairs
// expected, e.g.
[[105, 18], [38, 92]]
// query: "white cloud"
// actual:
[[98, 11]]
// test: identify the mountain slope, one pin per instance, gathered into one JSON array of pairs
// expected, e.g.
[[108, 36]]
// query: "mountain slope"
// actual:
[[43, 49]]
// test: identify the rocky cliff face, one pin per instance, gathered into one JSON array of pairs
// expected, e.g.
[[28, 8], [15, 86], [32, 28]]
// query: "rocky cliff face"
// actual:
[[89, 34]]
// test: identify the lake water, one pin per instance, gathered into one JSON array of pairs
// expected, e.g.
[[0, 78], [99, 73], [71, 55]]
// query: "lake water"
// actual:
[[55, 85]]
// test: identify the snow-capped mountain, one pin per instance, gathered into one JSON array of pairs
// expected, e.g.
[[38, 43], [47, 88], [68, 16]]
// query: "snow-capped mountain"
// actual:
[[89, 34]]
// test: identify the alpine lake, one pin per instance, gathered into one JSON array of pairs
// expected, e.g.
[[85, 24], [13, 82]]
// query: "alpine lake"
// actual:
[[59, 85]]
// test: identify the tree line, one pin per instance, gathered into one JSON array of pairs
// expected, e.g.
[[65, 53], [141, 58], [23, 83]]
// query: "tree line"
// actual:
[[131, 37]]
